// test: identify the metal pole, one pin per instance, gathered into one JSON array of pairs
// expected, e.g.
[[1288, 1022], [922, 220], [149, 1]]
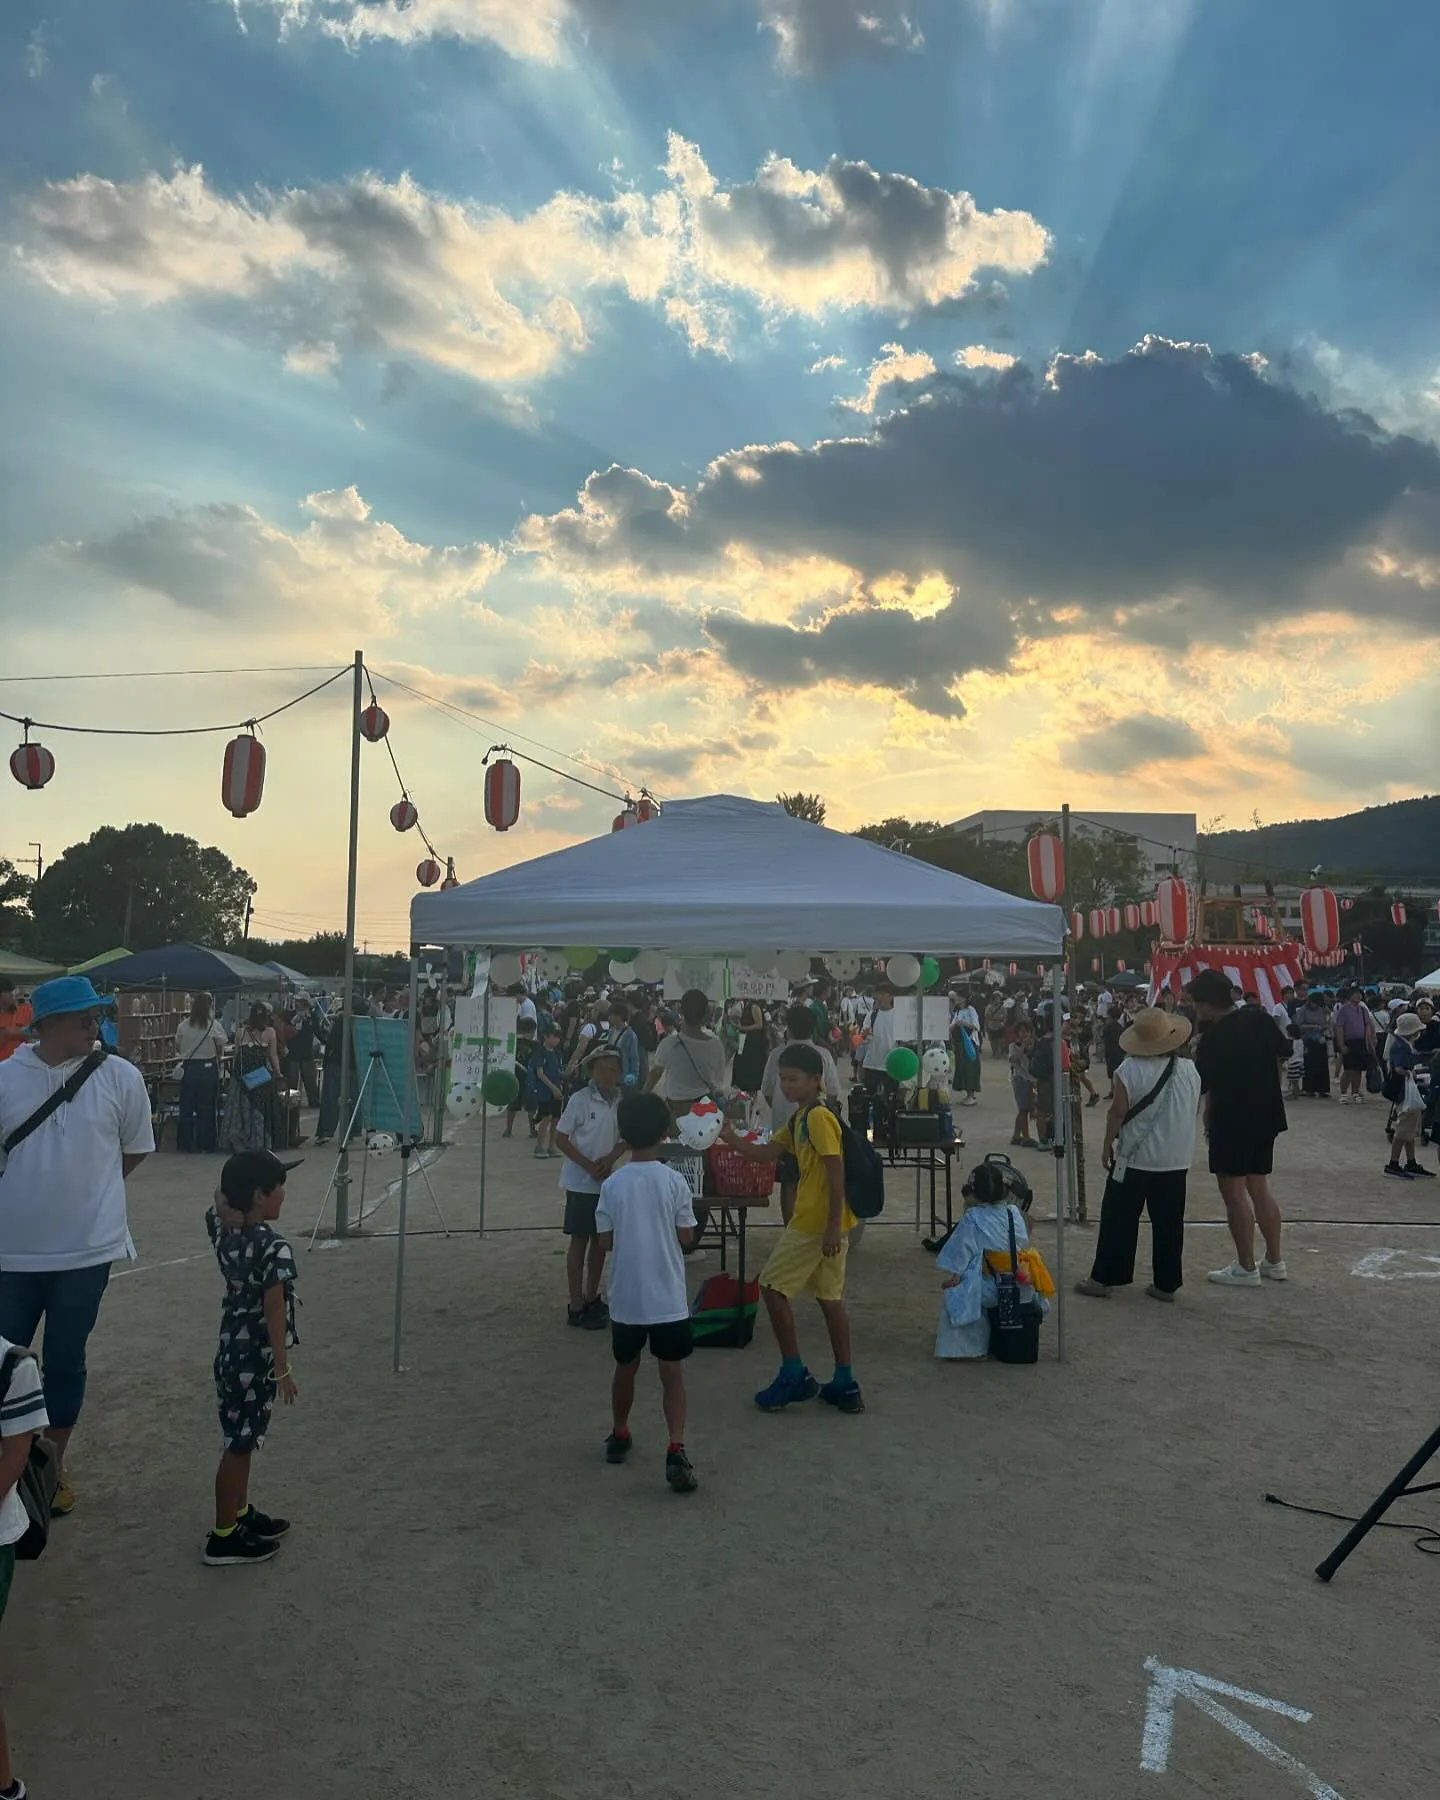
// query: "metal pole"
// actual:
[[408, 1141], [1060, 1132], [400, 1255], [342, 1169], [484, 1103], [1075, 1186]]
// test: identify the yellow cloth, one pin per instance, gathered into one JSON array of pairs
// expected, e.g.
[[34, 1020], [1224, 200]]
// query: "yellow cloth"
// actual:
[[997, 1262], [810, 1138], [798, 1264]]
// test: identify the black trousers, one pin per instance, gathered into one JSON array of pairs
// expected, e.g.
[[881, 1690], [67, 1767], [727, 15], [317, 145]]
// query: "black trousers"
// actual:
[[1162, 1193]]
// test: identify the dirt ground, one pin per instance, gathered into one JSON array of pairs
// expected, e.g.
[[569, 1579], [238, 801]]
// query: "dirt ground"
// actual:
[[954, 1594]]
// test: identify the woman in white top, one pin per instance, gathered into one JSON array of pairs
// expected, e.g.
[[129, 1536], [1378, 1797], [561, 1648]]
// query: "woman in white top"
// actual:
[[199, 1042], [1149, 1145], [691, 1061]]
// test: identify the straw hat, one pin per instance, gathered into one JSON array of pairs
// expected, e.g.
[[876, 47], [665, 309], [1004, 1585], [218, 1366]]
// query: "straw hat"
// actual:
[[1155, 1033], [1409, 1025]]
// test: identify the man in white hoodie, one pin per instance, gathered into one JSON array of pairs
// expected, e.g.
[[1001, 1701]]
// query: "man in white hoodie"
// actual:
[[62, 1193]]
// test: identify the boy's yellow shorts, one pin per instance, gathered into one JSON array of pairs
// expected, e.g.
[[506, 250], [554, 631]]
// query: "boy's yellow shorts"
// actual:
[[798, 1265]]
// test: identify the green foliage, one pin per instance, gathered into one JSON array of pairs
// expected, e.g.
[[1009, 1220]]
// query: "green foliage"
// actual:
[[1103, 868], [322, 954], [141, 886], [15, 890], [1389, 845], [804, 806]]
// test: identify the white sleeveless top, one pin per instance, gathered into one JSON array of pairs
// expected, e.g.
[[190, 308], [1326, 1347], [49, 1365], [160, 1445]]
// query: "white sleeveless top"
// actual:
[[1163, 1137]]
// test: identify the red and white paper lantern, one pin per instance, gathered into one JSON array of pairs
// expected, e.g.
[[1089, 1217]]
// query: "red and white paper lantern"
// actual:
[[1346, 905], [1077, 925], [1320, 921], [1132, 916], [428, 872], [32, 765], [1045, 858], [502, 794], [1094, 965], [374, 722], [1014, 968], [242, 781], [1119, 965], [1112, 920], [1096, 922], [1398, 914], [1357, 948], [452, 880], [645, 810], [403, 815], [1147, 914], [624, 820], [985, 964], [1172, 910]]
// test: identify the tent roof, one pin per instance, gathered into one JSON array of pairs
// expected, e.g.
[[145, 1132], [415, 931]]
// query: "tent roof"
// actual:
[[92, 963], [191, 966], [1432, 980], [723, 873], [306, 984], [25, 968]]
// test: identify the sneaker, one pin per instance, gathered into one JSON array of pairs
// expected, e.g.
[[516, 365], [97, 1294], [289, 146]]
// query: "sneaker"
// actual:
[[617, 1448], [239, 1546], [539, 1154], [1156, 1293], [843, 1399], [594, 1315], [1275, 1271], [1043, 1144], [1235, 1276], [1094, 1100], [261, 1525], [679, 1474], [17, 1790], [1414, 1169], [64, 1498], [782, 1392], [1395, 1172]]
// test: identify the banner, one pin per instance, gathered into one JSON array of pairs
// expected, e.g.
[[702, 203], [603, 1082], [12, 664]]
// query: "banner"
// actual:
[[468, 1060], [393, 1104]]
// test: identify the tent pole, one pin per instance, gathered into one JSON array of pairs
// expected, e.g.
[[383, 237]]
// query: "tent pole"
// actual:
[[1059, 1127], [407, 1145], [342, 1170], [484, 1103]]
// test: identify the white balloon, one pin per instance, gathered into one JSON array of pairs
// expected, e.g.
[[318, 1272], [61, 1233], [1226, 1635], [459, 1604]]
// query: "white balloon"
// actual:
[[623, 972], [844, 967], [505, 968], [650, 965], [698, 1130], [794, 965], [935, 1064], [459, 1102], [381, 1143], [903, 969]]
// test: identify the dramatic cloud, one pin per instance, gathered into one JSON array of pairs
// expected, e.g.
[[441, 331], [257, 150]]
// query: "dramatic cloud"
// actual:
[[815, 35], [1173, 496], [228, 562], [387, 268], [894, 367], [1133, 742], [531, 29]]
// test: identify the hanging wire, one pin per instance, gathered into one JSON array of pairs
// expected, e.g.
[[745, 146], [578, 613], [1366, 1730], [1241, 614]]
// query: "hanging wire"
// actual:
[[173, 730], [404, 790], [156, 674]]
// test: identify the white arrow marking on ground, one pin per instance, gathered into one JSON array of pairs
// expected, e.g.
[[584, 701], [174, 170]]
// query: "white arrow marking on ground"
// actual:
[[1168, 1685], [1375, 1266]]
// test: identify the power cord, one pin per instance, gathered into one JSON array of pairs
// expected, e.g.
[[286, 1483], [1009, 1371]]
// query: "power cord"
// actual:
[[1428, 1539]]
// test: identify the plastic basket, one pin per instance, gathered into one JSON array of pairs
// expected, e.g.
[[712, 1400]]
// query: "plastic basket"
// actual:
[[690, 1164], [736, 1177]]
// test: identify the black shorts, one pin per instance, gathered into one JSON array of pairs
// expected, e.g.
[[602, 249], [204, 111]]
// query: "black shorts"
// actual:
[[671, 1342], [1238, 1151], [580, 1214], [1355, 1058], [550, 1107], [245, 1398]]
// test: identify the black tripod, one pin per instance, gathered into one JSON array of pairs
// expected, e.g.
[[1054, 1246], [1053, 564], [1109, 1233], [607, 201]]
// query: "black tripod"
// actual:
[[1398, 1489]]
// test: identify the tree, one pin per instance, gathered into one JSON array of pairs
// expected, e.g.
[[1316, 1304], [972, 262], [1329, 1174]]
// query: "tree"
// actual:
[[804, 806], [322, 954], [14, 903], [1104, 866], [140, 886]]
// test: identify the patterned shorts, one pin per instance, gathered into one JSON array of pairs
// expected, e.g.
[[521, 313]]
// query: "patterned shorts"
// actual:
[[245, 1394]]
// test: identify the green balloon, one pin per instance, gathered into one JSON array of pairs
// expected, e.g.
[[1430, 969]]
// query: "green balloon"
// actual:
[[500, 1088], [929, 972], [622, 955], [902, 1064]]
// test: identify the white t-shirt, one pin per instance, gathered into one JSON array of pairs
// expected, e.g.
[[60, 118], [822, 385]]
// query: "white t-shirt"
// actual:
[[1103, 1004], [1164, 1135], [22, 1411], [199, 1043], [692, 1066], [63, 1191], [590, 1124], [526, 1010], [970, 1019], [644, 1204], [882, 1039]]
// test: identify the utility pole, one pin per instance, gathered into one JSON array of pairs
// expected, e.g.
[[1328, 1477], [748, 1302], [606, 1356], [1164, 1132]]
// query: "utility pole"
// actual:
[[249, 910], [347, 1031], [37, 860]]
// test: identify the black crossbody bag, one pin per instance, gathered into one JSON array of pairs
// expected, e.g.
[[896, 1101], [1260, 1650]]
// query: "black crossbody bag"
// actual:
[[62, 1096]]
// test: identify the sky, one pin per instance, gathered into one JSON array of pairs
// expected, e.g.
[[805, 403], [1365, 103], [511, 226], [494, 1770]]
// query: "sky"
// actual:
[[933, 404]]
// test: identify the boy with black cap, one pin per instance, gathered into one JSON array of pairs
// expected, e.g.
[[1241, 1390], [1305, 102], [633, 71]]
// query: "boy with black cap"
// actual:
[[257, 1330]]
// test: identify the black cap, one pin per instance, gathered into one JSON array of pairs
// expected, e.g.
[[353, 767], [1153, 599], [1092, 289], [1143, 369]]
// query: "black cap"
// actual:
[[249, 1172]]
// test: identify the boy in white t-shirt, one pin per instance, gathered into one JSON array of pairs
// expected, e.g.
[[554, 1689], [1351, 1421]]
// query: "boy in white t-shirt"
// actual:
[[646, 1220], [22, 1415], [587, 1136]]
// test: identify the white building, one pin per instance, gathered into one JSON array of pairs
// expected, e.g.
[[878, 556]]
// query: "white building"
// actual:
[[1167, 839]]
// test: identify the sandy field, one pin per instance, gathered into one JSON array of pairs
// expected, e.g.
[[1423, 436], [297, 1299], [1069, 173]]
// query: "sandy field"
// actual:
[[955, 1594]]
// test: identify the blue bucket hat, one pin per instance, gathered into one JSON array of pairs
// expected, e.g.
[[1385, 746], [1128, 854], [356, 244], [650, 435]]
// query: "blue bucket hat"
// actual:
[[66, 994]]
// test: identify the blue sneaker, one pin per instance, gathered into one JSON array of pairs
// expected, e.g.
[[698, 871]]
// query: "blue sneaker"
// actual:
[[782, 1393], [846, 1399]]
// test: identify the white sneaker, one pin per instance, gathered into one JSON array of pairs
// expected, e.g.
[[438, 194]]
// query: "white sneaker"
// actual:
[[1235, 1276], [1275, 1271]]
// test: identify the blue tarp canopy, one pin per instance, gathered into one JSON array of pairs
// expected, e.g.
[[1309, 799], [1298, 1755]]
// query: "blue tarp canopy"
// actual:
[[302, 984], [188, 966]]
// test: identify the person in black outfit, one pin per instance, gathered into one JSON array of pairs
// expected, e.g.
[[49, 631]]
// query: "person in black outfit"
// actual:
[[754, 1049], [1241, 1058]]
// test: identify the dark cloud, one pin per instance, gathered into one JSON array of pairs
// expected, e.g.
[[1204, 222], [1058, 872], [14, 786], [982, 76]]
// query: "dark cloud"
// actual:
[[1131, 743], [814, 36], [207, 558]]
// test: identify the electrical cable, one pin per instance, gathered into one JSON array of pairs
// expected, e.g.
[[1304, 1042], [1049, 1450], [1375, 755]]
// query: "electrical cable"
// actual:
[[172, 730], [155, 674], [404, 790], [1428, 1540]]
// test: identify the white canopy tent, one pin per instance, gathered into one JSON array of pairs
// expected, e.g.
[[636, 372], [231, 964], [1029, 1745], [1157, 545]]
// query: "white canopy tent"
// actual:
[[721, 875], [726, 874], [1429, 982]]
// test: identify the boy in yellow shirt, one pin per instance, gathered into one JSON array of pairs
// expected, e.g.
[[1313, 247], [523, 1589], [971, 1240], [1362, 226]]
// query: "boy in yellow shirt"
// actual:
[[811, 1254]]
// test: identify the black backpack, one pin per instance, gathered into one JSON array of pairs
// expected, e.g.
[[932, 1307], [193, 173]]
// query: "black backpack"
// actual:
[[1042, 1061], [864, 1172]]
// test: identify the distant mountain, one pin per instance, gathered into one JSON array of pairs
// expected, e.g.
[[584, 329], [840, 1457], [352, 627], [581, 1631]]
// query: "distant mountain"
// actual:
[[1390, 845]]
